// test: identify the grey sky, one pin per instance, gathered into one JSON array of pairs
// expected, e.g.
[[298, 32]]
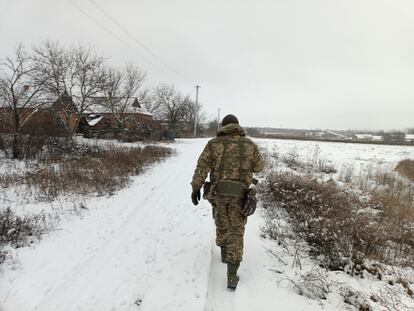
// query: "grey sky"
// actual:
[[296, 63]]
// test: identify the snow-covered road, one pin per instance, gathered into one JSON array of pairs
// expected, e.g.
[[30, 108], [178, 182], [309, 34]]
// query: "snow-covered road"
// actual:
[[145, 248]]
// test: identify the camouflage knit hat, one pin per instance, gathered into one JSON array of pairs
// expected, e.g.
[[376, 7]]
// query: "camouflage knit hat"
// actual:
[[229, 119]]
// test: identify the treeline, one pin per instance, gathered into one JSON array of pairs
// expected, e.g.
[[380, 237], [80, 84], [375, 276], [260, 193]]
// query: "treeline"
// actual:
[[34, 78]]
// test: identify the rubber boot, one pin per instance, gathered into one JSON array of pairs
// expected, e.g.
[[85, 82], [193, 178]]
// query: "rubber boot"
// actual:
[[232, 277], [223, 254]]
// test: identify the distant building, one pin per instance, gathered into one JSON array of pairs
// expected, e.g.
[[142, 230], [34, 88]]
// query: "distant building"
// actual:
[[364, 136], [328, 134], [409, 138], [332, 134], [318, 134], [271, 134], [377, 138]]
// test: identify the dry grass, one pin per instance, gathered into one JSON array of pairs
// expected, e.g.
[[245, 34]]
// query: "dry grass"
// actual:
[[346, 173], [406, 169], [15, 229], [313, 285], [100, 171], [18, 231], [65, 170], [396, 220], [292, 160], [342, 228]]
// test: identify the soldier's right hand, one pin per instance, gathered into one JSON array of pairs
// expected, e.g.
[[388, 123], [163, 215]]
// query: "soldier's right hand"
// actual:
[[195, 196]]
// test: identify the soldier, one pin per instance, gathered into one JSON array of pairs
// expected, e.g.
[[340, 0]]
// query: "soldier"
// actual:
[[231, 159]]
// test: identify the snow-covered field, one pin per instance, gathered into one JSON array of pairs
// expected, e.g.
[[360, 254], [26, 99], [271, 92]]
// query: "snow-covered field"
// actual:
[[148, 248], [359, 156]]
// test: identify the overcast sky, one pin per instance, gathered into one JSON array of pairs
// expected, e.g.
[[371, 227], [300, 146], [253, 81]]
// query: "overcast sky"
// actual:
[[292, 63]]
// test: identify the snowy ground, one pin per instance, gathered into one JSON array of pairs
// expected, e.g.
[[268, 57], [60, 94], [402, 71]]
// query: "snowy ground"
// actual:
[[363, 161], [360, 156], [149, 248]]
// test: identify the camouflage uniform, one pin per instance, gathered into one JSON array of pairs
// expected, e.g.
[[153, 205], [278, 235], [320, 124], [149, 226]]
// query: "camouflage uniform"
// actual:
[[229, 156]]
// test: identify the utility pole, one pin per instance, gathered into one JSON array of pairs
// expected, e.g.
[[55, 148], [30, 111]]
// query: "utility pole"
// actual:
[[196, 111], [218, 120]]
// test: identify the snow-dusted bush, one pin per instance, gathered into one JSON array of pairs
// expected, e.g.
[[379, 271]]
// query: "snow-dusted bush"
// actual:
[[291, 159], [346, 173], [389, 298], [325, 167], [18, 231], [341, 228], [355, 299], [15, 230], [314, 284]]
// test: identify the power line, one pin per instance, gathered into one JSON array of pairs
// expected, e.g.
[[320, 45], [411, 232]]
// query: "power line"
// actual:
[[112, 34], [148, 50]]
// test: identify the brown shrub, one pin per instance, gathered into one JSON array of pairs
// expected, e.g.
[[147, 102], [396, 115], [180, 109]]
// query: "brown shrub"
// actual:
[[100, 171], [15, 229], [18, 231], [341, 226], [396, 221], [30, 145], [406, 169]]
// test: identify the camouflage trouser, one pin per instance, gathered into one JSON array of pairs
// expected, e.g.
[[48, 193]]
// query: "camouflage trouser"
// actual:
[[230, 226]]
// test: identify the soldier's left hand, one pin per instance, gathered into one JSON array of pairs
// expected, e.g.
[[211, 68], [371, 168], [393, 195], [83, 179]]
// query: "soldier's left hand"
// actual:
[[195, 196]]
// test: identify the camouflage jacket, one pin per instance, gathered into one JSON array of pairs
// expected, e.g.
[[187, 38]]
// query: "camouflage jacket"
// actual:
[[229, 156]]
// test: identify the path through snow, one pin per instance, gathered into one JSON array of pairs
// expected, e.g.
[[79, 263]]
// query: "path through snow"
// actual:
[[145, 248], [145, 243]]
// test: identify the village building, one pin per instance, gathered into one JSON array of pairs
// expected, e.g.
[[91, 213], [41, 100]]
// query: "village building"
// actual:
[[61, 117], [98, 118], [54, 118]]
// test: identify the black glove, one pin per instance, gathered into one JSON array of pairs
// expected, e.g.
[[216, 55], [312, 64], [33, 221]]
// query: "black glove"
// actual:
[[195, 196]]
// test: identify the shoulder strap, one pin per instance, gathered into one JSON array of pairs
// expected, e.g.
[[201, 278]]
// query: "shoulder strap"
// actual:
[[241, 152]]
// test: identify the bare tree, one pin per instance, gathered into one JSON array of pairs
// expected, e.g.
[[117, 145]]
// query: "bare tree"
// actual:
[[78, 73], [123, 87], [194, 112], [21, 91], [147, 100], [211, 127], [55, 65], [170, 104]]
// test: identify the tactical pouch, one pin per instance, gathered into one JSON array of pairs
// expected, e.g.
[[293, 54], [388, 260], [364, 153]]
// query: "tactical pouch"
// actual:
[[232, 188], [249, 202], [206, 190]]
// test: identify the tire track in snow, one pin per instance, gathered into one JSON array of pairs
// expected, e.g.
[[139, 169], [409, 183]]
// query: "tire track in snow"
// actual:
[[160, 248], [97, 261]]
